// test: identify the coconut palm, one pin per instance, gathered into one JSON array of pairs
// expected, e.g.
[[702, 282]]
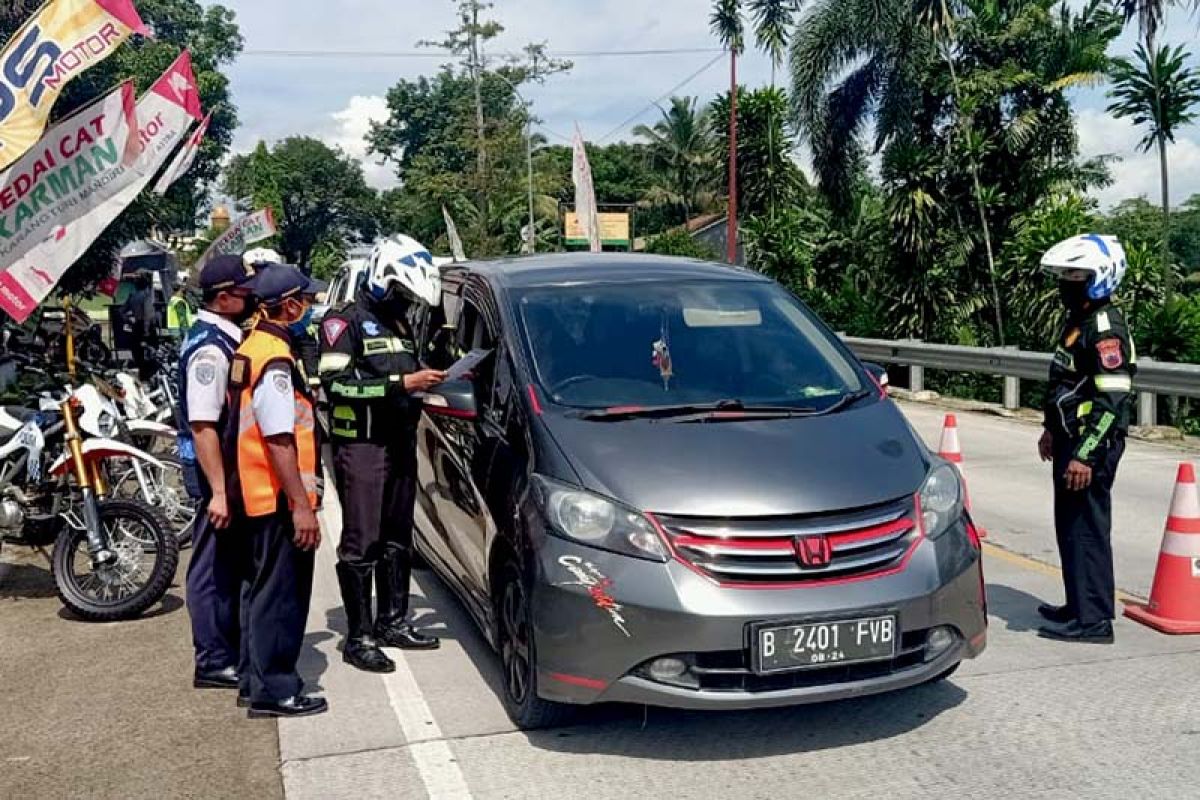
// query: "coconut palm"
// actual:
[[1159, 91], [679, 149]]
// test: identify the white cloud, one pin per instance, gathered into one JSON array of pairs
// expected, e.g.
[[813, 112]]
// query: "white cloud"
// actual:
[[349, 130], [1137, 173]]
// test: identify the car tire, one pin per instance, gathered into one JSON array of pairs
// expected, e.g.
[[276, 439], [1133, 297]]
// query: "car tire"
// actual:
[[518, 657]]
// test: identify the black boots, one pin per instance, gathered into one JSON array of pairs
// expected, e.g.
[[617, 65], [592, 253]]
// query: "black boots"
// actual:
[[360, 649], [392, 574]]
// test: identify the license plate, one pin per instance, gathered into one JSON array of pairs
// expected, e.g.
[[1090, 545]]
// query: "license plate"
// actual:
[[823, 644]]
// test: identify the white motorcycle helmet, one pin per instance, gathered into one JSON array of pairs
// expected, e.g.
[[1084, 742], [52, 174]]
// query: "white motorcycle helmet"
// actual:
[[402, 264], [261, 255], [1099, 260]]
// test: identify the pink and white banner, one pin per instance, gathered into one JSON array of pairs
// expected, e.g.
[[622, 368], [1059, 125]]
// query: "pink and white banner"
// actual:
[[184, 159], [585, 193], [164, 115], [247, 230]]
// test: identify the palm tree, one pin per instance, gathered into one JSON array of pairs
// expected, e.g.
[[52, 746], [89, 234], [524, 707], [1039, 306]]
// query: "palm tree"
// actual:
[[678, 149], [726, 23], [1159, 90]]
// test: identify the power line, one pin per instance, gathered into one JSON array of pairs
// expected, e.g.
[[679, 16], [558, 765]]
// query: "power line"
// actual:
[[432, 54], [654, 103]]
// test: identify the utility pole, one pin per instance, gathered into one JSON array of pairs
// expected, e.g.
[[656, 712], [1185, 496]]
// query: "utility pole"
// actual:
[[477, 77]]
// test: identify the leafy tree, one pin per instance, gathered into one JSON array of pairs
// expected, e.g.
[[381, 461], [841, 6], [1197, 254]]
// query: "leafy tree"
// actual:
[[318, 193], [679, 151], [211, 33], [1159, 91], [769, 177], [678, 242]]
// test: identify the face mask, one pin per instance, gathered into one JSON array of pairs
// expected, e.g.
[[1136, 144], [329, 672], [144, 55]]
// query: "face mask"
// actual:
[[249, 308], [1073, 293], [300, 326]]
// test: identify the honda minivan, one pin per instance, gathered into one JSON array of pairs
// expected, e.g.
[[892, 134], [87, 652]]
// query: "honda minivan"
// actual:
[[667, 482]]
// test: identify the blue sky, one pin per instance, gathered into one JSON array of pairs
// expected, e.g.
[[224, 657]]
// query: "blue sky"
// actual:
[[336, 98]]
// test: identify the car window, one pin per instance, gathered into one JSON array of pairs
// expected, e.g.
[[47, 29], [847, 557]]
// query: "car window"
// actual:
[[702, 342], [474, 333]]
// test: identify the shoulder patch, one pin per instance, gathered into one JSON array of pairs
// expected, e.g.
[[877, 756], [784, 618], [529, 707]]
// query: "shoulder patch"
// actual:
[[281, 381], [333, 329], [1110, 353]]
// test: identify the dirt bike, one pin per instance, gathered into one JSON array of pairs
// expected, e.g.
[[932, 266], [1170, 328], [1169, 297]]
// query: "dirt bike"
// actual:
[[112, 559]]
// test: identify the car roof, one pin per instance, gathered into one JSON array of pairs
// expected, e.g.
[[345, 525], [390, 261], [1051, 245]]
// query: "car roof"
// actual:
[[573, 269]]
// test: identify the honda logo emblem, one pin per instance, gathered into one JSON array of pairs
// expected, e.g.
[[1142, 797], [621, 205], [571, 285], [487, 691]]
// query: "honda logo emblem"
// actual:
[[814, 551]]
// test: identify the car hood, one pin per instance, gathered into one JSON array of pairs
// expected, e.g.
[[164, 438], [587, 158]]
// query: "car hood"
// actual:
[[805, 465]]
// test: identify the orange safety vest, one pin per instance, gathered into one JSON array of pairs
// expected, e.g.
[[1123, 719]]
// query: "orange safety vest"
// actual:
[[253, 480]]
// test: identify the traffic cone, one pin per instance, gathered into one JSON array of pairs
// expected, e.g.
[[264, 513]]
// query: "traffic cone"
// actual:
[[950, 449], [1174, 605]]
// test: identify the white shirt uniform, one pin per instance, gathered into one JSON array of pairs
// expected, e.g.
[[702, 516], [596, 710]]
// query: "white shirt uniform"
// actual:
[[275, 402], [208, 373]]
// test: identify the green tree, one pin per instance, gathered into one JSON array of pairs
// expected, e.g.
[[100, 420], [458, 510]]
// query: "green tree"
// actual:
[[318, 193], [211, 33], [679, 151], [769, 177], [1157, 90]]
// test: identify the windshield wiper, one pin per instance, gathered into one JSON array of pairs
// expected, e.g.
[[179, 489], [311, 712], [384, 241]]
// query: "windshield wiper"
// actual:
[[844, 401], [722, 409]]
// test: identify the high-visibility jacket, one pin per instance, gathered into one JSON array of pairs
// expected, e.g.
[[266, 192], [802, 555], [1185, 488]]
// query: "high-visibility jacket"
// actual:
[[253, 481], [179, 315]]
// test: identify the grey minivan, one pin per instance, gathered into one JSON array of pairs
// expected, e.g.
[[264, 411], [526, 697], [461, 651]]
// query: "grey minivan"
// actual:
[[667, 482]]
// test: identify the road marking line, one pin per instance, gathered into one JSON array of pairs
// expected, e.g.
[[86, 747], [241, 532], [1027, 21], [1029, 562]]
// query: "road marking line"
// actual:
[[430, 751], [1034, 565]]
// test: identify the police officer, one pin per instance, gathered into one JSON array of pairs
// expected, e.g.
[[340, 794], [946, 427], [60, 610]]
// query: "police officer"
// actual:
[[369, 369], [272, 439], [219, 554], [1086, 417]]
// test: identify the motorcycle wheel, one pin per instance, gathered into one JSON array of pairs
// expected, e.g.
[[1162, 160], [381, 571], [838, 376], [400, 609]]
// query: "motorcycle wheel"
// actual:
[[168, 493], [135, 581]]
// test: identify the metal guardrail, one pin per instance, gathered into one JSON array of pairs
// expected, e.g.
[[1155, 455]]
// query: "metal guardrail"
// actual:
[[1153, 377]]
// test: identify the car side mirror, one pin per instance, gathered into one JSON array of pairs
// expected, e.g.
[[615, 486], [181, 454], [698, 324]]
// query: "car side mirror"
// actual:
[[879, 373], [452, 399]]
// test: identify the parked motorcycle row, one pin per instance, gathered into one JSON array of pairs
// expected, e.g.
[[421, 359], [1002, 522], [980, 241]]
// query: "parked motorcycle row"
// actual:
[[89, 467]]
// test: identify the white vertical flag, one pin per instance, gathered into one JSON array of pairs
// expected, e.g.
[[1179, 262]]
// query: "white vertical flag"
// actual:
[[456, 245], [585, 193], [184, 158]]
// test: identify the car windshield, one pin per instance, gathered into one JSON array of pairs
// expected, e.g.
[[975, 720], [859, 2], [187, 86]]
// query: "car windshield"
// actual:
[[657, 344]]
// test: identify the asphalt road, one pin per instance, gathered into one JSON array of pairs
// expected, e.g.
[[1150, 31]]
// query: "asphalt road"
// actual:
[[106, 711]]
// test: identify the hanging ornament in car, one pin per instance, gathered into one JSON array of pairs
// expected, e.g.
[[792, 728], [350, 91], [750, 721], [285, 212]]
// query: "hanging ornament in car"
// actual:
[[662, 358]]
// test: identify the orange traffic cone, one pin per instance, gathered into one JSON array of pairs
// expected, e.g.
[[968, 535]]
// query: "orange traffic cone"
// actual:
[[950, 450], [1175, 598]]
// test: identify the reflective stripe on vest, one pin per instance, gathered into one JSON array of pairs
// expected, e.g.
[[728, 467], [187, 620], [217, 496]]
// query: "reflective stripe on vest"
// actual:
[[260, 488]]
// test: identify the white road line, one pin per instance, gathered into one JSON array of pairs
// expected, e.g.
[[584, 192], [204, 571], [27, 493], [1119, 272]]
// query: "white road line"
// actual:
[[431, 753]]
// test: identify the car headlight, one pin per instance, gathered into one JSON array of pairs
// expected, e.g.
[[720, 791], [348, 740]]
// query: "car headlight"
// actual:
[[941, 499], [592, 520]]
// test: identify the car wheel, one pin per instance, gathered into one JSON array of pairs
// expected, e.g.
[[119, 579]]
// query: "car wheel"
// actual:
[[518, 657]]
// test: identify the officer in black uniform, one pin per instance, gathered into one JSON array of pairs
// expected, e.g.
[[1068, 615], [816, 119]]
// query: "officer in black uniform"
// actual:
[[370, 372], [1086, 418]]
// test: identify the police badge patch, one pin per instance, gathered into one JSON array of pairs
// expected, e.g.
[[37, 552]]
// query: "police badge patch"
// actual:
[[206, 373], [333, 329], [370, 328], [281, 382], [1110, 353]]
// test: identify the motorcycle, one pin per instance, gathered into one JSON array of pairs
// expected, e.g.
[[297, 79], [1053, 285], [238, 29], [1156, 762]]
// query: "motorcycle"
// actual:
[[112, 558]]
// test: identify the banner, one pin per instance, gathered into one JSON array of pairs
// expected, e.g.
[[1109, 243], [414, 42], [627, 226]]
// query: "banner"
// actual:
[[585, 193], [45, 189], [184, 160], [456, 245], [63, 39], [93, 202], [247, 230]]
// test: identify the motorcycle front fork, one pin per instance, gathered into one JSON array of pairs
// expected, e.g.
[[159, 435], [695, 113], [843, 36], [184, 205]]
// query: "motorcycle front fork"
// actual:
[[92, 488]]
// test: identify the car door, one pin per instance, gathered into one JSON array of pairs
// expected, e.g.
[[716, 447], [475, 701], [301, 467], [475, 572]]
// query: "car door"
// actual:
[[456, 459]]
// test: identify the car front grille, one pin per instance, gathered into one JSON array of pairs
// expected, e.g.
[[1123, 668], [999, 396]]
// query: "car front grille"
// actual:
[[796, 550]]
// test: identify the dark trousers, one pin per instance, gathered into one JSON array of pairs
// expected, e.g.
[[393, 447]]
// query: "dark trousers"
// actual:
[[217, 578], [377, 487], [1083, 524], [276, 612]]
